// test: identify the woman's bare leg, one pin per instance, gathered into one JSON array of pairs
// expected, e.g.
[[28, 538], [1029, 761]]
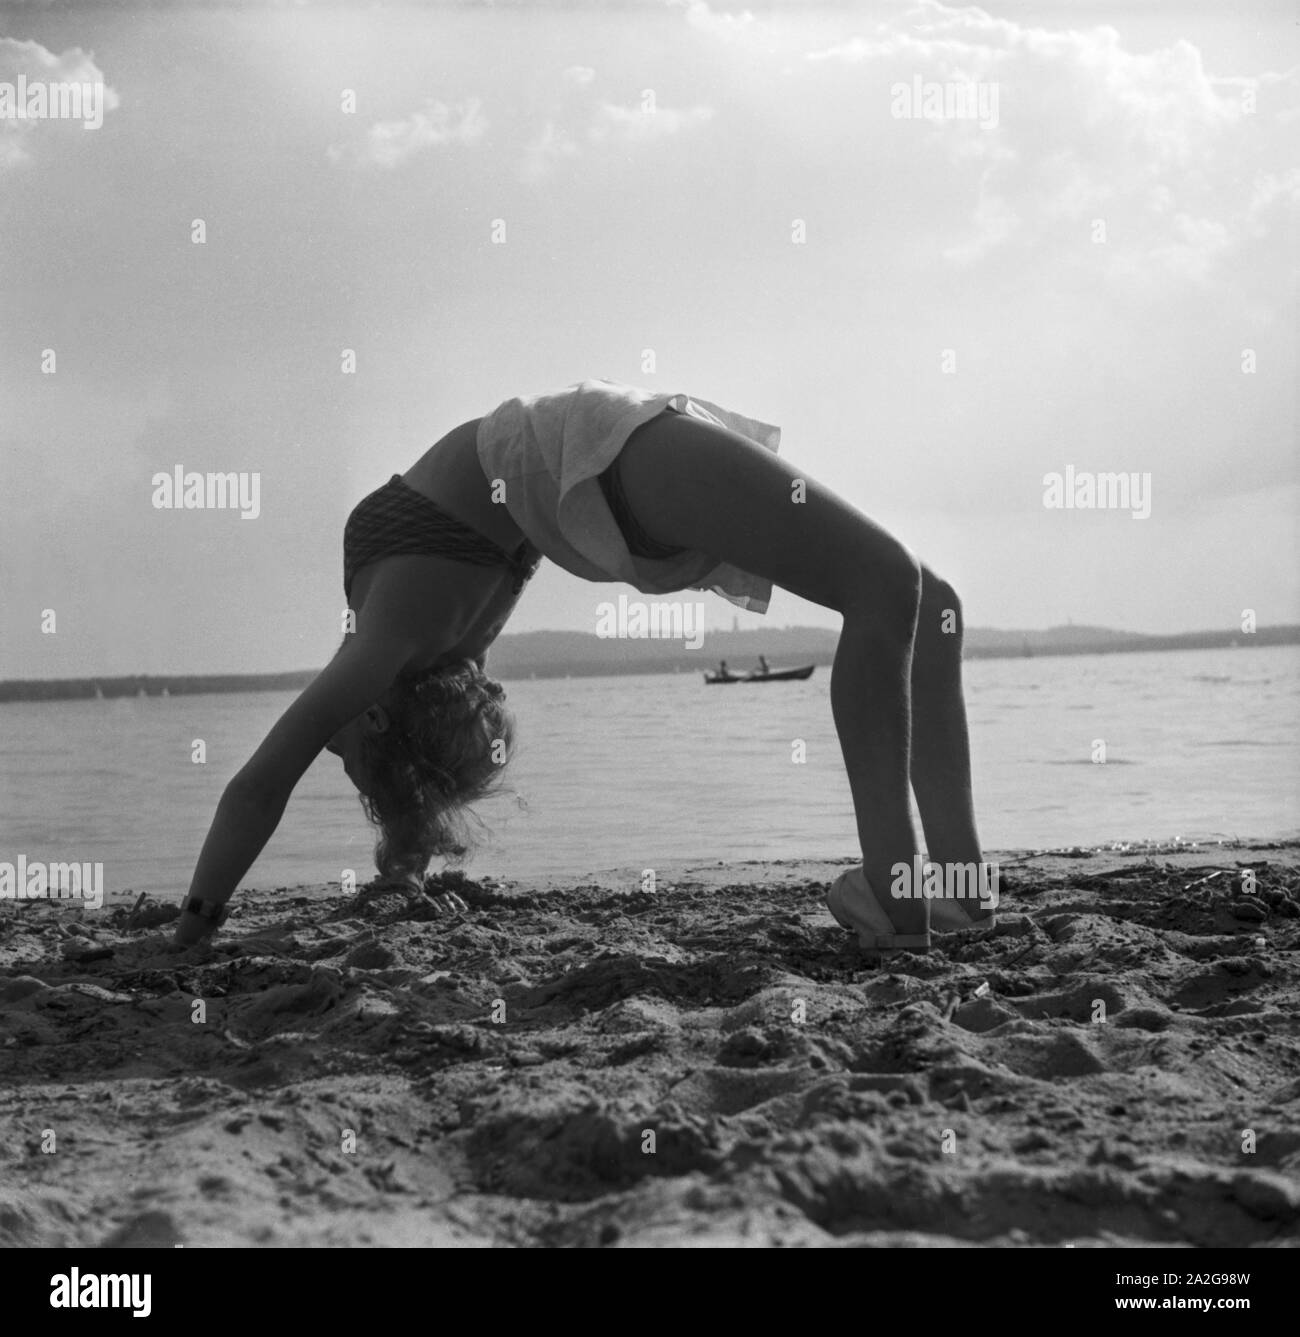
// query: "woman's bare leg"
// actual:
[[870, 703], [695, 485], [940, 758]]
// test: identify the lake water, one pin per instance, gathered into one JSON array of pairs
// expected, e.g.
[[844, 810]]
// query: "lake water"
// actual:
[[642, 771]]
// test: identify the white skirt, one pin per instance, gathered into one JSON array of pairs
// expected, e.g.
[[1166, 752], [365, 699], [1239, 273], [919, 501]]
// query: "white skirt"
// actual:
[[548, 449]]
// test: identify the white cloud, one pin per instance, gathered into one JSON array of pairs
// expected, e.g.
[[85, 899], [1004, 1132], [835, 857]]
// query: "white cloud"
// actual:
[[11, 152], [541, 155], [634, 125], [581, 75], [725, 25], [391, 143], [1087, 129], [608, 124], [1193, 246], [30, 61], [993, 222]]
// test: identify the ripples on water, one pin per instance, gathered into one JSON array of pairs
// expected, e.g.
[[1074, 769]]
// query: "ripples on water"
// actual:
[[640, 771]]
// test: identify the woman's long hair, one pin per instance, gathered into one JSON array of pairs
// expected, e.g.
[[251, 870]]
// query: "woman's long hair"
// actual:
[[450, 735]]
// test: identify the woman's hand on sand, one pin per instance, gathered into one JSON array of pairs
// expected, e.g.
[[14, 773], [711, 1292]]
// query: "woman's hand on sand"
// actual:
[[447, 903]]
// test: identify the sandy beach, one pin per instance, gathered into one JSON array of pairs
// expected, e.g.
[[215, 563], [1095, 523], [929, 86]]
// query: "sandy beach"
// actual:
[[709, 1064]]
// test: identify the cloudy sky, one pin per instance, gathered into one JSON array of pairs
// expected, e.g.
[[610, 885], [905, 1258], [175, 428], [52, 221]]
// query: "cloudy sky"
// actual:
[[938, 310]]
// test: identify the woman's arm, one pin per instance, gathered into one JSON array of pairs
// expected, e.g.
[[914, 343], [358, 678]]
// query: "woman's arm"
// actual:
[[254, 800]]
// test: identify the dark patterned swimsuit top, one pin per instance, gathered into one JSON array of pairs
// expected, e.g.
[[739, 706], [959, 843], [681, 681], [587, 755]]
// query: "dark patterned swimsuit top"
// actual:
[[397, 520]]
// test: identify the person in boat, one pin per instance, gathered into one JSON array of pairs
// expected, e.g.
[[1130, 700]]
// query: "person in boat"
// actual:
[[762, 666], [722, 668], [663, 491]]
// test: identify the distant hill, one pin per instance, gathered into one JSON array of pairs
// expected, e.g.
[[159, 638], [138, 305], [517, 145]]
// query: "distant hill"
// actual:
[[558, 654]]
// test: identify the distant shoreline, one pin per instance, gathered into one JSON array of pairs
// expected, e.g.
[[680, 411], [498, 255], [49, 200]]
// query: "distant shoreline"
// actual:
[[552, 654]]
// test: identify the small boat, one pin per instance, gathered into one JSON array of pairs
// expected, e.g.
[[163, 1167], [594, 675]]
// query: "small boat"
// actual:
[[782, 675], [772, 675]]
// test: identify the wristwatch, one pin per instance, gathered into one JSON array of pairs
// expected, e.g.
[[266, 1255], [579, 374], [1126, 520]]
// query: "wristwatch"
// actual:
[[210, 910]]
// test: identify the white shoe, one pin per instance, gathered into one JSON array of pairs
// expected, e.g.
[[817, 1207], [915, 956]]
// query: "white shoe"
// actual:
[[951, 917], [864, 915]]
